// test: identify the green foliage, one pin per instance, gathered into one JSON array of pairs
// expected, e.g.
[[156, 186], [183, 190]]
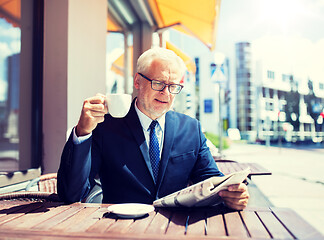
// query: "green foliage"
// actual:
[[215, 140], [292, 106]]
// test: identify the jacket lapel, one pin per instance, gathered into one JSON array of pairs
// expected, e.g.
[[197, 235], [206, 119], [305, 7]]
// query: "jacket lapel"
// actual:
[[169, 132], [135, 127]]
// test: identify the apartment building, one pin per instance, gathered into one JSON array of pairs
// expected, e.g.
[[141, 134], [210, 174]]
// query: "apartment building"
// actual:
[[275, 104], [246, 105]]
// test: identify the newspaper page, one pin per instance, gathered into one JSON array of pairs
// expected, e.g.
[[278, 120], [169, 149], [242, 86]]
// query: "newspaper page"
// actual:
[[203, 193]]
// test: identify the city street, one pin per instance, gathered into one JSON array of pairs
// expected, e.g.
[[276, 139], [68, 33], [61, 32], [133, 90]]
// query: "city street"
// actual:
[[297, 179]]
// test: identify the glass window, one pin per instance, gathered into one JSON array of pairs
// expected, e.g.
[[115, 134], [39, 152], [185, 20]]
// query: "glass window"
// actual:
[[116, 79], [16, 74], [271, 74], [321, 86], [10, 43]]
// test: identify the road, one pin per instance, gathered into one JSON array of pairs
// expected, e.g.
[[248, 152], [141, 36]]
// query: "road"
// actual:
[[297, 179]]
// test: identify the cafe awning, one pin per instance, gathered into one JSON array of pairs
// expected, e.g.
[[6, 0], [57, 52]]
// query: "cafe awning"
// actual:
[[191, 66], [118, 65], [10, 10], [196, 18], [112, 25]]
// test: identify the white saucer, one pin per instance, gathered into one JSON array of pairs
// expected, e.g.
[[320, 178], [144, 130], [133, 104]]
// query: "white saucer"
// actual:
[[130, 210]]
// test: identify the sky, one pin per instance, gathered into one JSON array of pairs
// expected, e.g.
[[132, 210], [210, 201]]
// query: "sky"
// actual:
[[287, 34], [252, 19]]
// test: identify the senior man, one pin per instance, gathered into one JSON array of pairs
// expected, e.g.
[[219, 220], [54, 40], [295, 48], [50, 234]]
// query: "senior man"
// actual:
[[150, 153]]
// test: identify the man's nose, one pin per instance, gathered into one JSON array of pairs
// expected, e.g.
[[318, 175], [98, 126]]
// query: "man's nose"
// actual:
[[165, 90]]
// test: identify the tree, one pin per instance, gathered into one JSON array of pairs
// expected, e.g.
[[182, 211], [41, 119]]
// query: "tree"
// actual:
[[314, 106], [292, 107]]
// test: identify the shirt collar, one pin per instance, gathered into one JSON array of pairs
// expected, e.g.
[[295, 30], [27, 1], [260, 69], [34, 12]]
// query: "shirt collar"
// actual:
[[146, 121]]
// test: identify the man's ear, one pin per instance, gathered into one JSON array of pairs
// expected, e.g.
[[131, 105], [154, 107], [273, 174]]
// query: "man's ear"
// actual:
[[136, 80]]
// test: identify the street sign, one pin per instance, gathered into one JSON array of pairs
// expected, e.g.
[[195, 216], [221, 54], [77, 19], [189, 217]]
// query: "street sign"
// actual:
[[218, 74], [208, 105]]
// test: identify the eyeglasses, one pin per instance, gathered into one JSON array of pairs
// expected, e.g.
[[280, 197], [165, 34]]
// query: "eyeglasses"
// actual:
[[159, 86]]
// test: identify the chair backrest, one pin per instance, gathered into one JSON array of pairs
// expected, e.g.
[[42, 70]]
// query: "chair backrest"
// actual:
[[45, 183], [30, 196], [48, 182], [95, 195]]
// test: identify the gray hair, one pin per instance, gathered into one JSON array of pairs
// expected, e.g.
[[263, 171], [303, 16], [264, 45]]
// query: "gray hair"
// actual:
[[145, 60]]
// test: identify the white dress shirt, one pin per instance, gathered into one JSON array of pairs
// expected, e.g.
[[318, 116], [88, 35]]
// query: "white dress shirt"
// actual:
[[159, 129]]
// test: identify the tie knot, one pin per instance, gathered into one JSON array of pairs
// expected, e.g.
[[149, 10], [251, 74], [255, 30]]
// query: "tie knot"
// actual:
[[153, 124]]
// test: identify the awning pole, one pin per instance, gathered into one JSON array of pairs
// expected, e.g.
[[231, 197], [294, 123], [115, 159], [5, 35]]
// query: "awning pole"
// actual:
[[126, 62], [161, 39]]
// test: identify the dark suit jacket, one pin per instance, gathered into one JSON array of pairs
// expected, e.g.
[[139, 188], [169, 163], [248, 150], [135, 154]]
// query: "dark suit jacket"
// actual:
[[117, 150]]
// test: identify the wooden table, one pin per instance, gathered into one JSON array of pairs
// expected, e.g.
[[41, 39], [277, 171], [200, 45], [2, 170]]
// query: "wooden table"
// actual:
[[46, 220], [227, 167]]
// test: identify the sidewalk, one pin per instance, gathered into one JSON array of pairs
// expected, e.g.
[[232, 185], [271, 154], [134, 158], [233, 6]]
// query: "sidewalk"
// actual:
[[297, 179]]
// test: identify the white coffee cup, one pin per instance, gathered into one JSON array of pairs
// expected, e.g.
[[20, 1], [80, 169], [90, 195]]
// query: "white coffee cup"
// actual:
[[118, 104]]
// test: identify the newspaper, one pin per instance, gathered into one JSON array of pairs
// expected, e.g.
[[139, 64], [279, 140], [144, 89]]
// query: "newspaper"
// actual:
[[203, 193]]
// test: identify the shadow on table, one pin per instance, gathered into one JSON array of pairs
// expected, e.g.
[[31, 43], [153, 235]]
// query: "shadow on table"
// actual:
[[115, 216], [192, 215]]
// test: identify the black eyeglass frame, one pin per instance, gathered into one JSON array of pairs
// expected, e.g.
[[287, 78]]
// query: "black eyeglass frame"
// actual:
[[164, 84]]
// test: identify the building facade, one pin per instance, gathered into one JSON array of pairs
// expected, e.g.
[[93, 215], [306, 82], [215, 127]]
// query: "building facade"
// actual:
[[275, 104], [213, 97], [246, 105]]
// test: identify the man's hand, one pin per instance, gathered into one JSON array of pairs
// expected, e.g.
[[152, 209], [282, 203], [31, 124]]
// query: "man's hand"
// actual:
[[236, 196], [93, 112]]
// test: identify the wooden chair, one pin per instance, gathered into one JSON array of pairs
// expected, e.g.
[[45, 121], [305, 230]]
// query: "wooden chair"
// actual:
[[95, 195], [30, 196], [45, 183]]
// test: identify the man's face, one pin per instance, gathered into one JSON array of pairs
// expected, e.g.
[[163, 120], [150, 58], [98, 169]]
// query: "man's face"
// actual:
[[155, 103]]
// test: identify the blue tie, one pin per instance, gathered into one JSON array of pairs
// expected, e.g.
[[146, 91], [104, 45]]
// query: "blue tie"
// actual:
[[154, 150]]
